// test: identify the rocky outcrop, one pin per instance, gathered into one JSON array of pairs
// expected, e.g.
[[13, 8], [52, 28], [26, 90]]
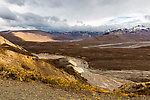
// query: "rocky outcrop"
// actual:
[[4, 41]]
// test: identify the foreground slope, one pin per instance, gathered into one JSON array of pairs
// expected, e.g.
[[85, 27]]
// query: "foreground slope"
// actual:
[[19, 64], [12, 55], [38, 91]]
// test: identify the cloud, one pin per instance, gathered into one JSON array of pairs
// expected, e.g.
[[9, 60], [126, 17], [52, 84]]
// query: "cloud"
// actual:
[[5, 13], [147, 17], [46, 3], [33, 21], [17, 2], [48, 23], [125, 20], [68, 15]]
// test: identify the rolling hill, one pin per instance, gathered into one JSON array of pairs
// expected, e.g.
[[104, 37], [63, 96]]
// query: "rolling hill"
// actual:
[[41, 36], [118, 36], [32, 35]]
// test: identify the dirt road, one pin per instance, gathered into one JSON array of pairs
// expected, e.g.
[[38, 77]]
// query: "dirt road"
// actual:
[[123, 45]]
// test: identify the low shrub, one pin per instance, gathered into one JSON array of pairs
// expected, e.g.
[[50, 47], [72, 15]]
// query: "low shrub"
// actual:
[[18, 73]]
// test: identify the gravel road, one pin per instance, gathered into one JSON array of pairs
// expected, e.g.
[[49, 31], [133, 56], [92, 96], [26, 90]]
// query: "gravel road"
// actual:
[[123, 45]]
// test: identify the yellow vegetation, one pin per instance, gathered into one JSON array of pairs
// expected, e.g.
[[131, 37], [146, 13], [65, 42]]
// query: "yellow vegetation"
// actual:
[[17, 73], [135, 89]]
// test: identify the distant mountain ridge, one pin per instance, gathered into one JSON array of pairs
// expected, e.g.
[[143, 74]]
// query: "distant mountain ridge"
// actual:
[[137, 33], [136, 29], [41, 36]]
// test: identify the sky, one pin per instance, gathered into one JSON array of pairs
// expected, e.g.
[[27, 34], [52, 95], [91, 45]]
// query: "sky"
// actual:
[[73, 15]]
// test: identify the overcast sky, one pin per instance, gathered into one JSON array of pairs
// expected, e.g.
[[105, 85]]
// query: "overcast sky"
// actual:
[[69, 15]]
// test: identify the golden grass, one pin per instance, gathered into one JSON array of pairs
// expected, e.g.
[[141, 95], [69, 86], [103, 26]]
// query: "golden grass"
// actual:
[[20, 74], [142, 89], [15, 49]]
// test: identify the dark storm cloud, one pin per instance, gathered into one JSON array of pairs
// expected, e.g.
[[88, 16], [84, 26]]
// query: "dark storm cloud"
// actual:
[[30, 20], [5, 13], [49, 23]]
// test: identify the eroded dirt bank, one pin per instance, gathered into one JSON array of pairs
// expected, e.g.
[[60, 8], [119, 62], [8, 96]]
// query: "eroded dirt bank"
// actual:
[[108, 80]]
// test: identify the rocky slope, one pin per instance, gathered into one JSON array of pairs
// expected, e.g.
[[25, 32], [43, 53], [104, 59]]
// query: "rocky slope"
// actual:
[[12, 55], [19, 64]]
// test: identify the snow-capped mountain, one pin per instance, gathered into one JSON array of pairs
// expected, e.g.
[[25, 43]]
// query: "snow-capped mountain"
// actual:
[[139, 29]]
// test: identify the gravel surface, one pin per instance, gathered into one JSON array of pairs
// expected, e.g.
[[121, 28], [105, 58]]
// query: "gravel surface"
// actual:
[[15, 90]]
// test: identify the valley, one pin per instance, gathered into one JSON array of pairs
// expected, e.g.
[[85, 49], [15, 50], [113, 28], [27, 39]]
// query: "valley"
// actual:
[[74, 50], [108, 65], [109, 80]]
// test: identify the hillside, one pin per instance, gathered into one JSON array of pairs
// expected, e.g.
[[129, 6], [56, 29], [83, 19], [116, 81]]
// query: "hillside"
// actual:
[[41, 36], [33, 35], [17, 59], [20, 65], [116, 38], [12, 56]]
